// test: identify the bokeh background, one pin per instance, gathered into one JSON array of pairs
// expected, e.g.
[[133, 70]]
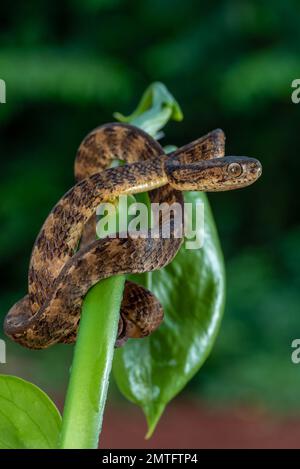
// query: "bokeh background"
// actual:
[[230, 64]]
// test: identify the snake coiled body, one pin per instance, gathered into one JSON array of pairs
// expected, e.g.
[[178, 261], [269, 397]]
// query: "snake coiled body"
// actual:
[[60, 275]]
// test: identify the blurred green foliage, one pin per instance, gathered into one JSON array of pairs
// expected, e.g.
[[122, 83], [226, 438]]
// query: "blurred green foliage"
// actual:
[[229, 64]]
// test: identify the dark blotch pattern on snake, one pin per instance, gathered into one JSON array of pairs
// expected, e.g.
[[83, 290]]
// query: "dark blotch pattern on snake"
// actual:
[[60, 275]]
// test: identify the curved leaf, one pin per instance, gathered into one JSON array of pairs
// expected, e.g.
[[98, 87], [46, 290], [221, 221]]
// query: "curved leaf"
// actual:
[[28, 417], [156, 107], [150, 372]]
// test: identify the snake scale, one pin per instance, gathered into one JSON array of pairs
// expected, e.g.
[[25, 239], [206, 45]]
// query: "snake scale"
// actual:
[[60, 274]]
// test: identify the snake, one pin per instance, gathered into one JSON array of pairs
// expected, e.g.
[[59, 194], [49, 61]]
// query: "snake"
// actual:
[[67, 259]]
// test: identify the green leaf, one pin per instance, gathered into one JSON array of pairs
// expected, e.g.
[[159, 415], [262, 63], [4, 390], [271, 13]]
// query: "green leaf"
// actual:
[[150, 372], [191, 289], [155, 109], [28, 417]]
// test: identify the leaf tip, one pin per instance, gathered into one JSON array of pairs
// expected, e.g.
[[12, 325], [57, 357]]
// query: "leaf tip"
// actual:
[[152, 420]]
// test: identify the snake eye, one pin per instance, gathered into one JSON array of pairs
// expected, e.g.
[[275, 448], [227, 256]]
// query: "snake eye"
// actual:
[[235, 169]]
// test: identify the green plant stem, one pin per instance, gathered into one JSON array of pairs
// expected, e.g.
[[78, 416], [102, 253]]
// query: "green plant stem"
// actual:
[[93, 355], [87, 391]]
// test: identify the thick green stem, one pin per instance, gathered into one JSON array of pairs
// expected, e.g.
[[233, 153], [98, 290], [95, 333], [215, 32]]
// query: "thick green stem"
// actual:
[[87, 391]]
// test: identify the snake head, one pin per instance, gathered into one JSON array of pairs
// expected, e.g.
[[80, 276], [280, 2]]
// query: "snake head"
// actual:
[[217, 174]]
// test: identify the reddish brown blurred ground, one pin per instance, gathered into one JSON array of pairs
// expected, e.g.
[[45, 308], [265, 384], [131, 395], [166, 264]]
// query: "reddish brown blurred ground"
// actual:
[[187, 425]]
